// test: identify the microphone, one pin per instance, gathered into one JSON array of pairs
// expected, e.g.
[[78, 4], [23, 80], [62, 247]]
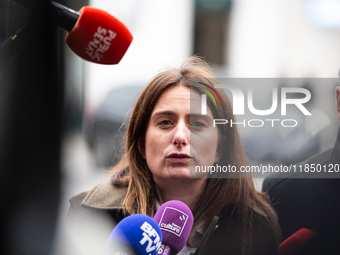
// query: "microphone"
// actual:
[[297, 243], [175, 220], [63, 16], [93, 34], [137, 234]]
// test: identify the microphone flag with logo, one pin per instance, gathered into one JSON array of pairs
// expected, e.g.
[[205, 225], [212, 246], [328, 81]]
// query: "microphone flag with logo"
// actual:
[[175, 220]]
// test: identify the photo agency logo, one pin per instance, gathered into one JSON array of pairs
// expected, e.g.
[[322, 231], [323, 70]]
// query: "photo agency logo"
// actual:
[[243, 104], [204, 97], [280, 122]]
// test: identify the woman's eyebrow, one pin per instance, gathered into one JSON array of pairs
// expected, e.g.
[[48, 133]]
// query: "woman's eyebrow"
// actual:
[[160, 113], [196, 115], [171, 113]]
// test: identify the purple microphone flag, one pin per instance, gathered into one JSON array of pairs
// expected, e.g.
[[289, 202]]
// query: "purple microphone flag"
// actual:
[[175, 220]]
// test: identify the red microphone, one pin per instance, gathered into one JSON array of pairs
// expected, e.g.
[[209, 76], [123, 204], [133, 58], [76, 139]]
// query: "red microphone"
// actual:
[[94, 35], [298, 243]]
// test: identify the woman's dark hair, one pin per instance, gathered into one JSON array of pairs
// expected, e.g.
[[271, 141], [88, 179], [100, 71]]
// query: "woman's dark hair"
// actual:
[[235, 192]]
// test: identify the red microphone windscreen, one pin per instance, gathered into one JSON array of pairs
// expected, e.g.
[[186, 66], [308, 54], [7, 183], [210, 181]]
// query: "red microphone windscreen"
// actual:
[[99, 37], [297, 243]]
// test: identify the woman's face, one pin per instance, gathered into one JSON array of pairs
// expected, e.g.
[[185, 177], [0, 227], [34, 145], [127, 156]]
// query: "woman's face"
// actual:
[[177, 138]]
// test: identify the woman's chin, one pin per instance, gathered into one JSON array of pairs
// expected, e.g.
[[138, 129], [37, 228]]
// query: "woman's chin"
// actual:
[[182, 175], [187, 175]]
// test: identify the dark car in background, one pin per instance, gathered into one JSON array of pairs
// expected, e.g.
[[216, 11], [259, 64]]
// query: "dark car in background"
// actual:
[[105, 129]]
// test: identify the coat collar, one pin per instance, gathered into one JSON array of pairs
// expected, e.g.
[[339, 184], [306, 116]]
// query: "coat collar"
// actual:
[[105, 196]]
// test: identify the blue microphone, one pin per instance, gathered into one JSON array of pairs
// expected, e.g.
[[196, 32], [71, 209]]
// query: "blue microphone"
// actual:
[[137, 234]]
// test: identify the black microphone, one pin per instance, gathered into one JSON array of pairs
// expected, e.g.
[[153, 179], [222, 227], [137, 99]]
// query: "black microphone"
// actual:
[[63, 16]]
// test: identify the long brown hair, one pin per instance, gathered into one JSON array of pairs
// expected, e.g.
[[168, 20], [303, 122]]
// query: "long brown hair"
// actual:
[[132, 171]]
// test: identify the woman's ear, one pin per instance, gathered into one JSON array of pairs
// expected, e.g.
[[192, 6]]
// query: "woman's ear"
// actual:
[[141, 146]]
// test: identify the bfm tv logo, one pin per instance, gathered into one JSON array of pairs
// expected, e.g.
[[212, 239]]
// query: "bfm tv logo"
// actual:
[[239, 99]]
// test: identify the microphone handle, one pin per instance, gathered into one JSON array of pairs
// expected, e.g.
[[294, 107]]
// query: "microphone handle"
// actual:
[[164, 250], [64, 16]]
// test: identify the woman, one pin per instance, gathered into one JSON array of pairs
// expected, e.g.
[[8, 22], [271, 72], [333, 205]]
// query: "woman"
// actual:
[[166, 137]]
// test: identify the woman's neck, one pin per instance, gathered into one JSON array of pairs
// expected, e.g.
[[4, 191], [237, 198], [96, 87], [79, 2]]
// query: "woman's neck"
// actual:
[[188, 192]]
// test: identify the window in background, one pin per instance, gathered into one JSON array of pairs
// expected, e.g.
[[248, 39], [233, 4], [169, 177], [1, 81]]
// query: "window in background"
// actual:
[[211, 29]]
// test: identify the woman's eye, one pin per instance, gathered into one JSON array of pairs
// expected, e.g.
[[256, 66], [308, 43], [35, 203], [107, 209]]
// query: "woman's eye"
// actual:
[[198, 124], [164, 123]]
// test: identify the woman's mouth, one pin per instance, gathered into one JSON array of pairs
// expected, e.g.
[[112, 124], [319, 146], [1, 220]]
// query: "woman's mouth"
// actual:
[[179, 158]]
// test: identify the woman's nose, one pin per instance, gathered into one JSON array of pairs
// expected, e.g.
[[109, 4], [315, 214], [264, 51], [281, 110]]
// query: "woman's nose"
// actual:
[[181, 135]]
